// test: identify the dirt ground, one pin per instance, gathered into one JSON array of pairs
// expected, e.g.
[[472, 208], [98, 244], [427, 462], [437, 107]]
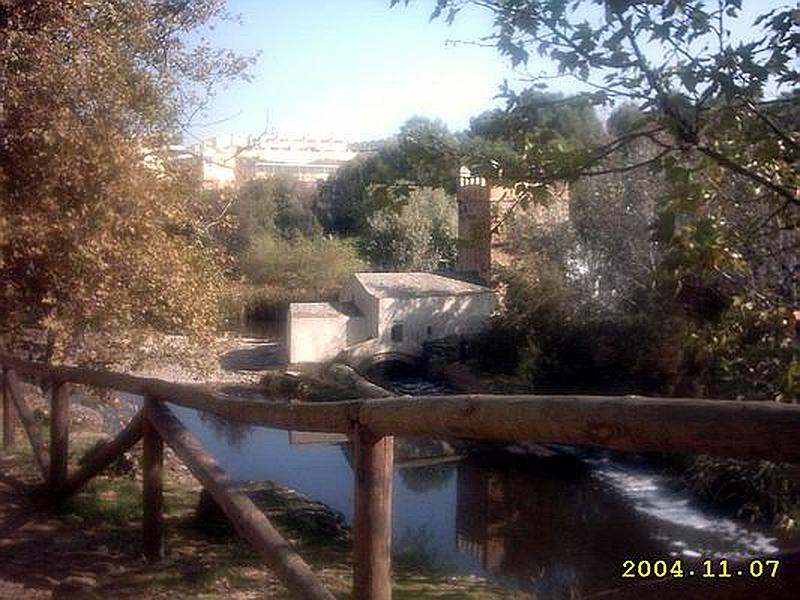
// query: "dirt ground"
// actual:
[[90, 549]]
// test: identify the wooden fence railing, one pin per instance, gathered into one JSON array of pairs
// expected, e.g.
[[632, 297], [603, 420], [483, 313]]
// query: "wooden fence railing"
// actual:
[[746, 430]]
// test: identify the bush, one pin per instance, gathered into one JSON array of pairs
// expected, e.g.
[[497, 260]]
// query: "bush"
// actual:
[[749, 353], [755, 490], [419, 236], [308, 264], [282, 271], [558, 339]]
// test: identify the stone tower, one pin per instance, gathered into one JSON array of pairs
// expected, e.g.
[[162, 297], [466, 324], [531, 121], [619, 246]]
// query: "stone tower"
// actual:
[[486, 215], [474, 260]]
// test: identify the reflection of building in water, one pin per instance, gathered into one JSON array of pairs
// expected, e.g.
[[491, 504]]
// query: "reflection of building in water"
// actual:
[[478, 514], [548, 526]]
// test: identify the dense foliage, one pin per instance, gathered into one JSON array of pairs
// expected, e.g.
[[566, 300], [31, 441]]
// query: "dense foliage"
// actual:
[[275, 249], [423, 154], [98, 234], [683, 211], [420, 235]]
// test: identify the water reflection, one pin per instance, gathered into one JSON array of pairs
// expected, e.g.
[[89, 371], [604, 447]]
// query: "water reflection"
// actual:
[[556, 535], [415, 549], [424, 479], [232, 433], [560, 535]]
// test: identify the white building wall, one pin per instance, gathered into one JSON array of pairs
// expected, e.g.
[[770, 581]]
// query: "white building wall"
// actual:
[[434, 317], [353, 291], [314, 340], [319, 338], [318, 332]]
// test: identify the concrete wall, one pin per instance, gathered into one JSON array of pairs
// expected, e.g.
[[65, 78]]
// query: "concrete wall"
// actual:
[[321, 337], [353, 291], [434, 317]]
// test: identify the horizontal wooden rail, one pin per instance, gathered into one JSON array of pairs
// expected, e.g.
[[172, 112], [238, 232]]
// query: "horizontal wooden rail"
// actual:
[[747, 430], [334, 417], [248, 520]]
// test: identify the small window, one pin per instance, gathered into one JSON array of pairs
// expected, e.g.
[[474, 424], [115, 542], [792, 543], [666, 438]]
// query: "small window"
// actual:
[[396, 334], [430, 331]]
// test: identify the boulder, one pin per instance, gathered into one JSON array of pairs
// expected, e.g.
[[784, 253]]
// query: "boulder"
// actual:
[[293, 513]]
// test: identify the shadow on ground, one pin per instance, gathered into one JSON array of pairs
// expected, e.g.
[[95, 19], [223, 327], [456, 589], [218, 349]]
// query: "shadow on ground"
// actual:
[[259, 357]]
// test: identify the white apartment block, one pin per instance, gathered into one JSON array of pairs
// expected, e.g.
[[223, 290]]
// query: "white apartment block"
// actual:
[[233, 160]]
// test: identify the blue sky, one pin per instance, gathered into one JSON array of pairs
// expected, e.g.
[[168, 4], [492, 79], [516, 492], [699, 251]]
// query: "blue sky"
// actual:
[[353, 68], [358, 69]]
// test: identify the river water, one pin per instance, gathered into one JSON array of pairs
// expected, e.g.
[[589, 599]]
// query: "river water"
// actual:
[[558, 529]]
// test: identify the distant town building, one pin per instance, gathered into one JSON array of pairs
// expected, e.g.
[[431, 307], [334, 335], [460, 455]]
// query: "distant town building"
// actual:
[[230, 161]]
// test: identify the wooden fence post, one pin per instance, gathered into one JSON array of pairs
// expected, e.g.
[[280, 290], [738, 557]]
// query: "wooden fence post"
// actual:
[[28, 420], [59, 434], [9, 420], [248, 519], [103, 456], [372, 535], [152, 489]]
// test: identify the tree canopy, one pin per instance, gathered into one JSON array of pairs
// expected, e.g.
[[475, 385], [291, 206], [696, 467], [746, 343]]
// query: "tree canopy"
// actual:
[[98, 231], [718, 113], [705, 91]]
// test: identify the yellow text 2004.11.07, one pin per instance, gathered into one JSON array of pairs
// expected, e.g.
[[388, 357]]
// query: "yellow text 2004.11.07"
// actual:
[[704, 569]]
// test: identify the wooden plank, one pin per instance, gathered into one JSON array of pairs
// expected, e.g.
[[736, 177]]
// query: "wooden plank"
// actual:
[[245, 516], [9, 418], [372, 522], [59, 434], [747, 430], [29, 423], [103, 457], [317, 416], [152, 489]]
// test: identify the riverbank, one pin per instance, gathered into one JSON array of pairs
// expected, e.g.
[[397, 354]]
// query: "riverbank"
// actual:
[[91, 546]]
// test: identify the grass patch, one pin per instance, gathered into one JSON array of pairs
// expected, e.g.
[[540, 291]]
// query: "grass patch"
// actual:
[[108, 501], [414, 586]]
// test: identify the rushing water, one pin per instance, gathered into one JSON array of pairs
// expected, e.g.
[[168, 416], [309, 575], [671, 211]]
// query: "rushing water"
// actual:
[[555, 528]]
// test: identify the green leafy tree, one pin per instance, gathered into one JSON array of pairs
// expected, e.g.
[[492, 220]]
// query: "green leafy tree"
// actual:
[[277, 205], [423, 154], [706, 100], [299, 264], [420, 235], [99, 236]]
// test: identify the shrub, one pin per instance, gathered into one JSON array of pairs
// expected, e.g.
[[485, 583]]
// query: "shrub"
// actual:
[[756, 490], [280, 271], [418, 236], [301, 263]]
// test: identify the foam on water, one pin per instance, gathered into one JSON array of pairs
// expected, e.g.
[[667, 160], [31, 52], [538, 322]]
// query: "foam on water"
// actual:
[[701, 534]]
